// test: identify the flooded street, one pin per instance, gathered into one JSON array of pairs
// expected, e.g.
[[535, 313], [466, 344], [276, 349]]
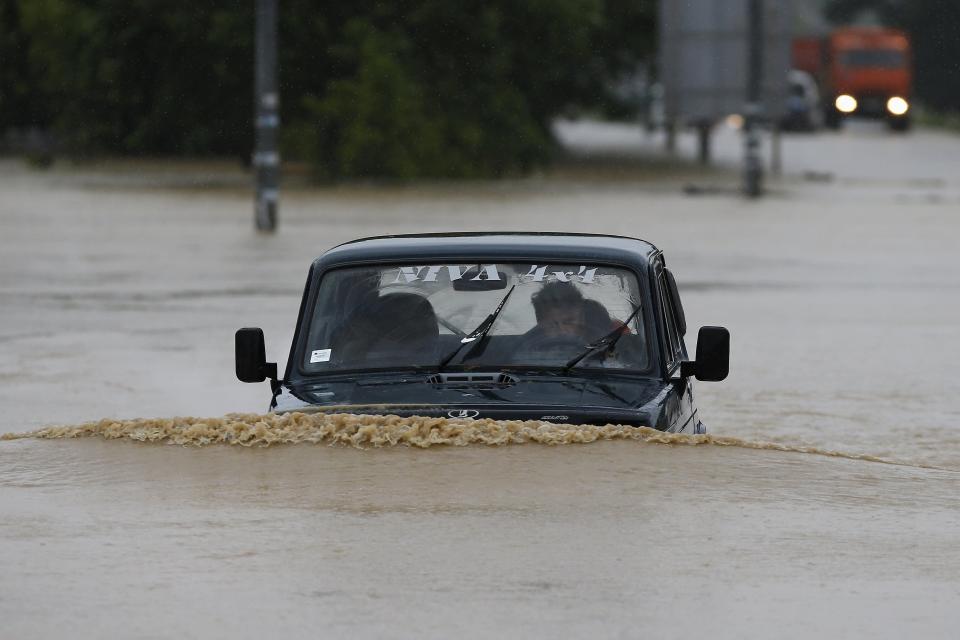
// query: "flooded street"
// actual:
[[120, 291], [608, 538]]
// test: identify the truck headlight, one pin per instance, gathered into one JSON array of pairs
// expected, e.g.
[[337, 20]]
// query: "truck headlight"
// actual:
[[846, 104], [897, 106]]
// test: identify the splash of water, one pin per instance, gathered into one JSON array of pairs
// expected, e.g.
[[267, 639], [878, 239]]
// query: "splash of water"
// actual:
[[362, 431], [354, 430]]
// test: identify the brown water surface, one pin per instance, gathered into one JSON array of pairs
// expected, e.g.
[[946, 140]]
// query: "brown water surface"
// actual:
[[607, 538], [119, 295]]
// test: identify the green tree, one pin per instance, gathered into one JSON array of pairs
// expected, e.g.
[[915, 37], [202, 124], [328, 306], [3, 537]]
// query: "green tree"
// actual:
[[142, 76], [469, 88], [369, 88], [21, 101]]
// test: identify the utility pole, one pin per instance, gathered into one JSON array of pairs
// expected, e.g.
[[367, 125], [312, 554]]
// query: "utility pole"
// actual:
[[753, 165], [670, 139], [776, 151], [266, 157], [703, 141]]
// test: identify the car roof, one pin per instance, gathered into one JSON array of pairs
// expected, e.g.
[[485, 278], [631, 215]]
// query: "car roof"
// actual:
[[493, 245]]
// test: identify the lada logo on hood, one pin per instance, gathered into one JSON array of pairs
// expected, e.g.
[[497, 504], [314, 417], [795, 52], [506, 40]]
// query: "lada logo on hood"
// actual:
[[463, 413]]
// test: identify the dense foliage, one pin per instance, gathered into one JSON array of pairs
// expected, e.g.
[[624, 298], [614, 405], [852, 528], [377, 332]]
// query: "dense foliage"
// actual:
[[20, 101], [136, 76], [401, 88], [934, 27]]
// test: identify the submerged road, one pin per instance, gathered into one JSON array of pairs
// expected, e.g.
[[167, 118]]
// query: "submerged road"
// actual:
[[121, 288]]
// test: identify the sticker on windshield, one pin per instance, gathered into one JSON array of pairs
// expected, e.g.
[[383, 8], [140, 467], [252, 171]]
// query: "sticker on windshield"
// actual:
[[585, 274], [320, 355], [538, 273], [452, 272]]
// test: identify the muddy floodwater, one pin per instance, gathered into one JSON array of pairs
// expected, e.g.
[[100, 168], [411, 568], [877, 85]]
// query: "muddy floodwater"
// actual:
[[143, 494]]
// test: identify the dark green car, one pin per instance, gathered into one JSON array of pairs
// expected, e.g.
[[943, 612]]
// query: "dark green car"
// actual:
[[568, 328]]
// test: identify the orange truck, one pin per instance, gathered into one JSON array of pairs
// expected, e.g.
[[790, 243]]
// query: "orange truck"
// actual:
[[861, 71]]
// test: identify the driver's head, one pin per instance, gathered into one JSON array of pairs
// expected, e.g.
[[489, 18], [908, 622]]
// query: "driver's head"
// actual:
[[559, 309]]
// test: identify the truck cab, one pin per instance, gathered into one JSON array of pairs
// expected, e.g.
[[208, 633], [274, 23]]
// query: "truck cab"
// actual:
[[868, 74]]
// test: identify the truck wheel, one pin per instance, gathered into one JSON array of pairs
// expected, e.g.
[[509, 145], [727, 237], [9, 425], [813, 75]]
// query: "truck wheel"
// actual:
[[832, 119], [899, 124]]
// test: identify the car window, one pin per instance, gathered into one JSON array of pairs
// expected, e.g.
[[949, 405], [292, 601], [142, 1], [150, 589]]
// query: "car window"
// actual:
[[414, 315], [671, 342]]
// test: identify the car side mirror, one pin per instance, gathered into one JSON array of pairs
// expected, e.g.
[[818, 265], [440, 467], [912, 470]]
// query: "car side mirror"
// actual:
[[713, 355], [251, 356]]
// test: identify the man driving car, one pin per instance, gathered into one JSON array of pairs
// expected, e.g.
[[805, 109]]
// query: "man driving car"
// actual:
[[560, 310], [567, 320]]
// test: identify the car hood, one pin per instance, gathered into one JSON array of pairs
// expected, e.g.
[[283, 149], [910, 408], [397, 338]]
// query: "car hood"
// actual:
[[556, 399]]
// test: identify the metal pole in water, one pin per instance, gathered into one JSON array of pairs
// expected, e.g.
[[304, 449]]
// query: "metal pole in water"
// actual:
[[753, 165], [776, 151], [703, 141], [670, 137], [266, 157]]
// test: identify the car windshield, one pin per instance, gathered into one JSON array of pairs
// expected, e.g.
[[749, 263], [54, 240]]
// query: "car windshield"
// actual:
[[398, 316], [876, 58]]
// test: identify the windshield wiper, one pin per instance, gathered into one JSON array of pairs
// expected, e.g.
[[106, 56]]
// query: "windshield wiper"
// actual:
[[482, 329], [606, 342], [449, 325]]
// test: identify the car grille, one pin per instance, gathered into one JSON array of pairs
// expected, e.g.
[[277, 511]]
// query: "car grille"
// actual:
[[498, 379]]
